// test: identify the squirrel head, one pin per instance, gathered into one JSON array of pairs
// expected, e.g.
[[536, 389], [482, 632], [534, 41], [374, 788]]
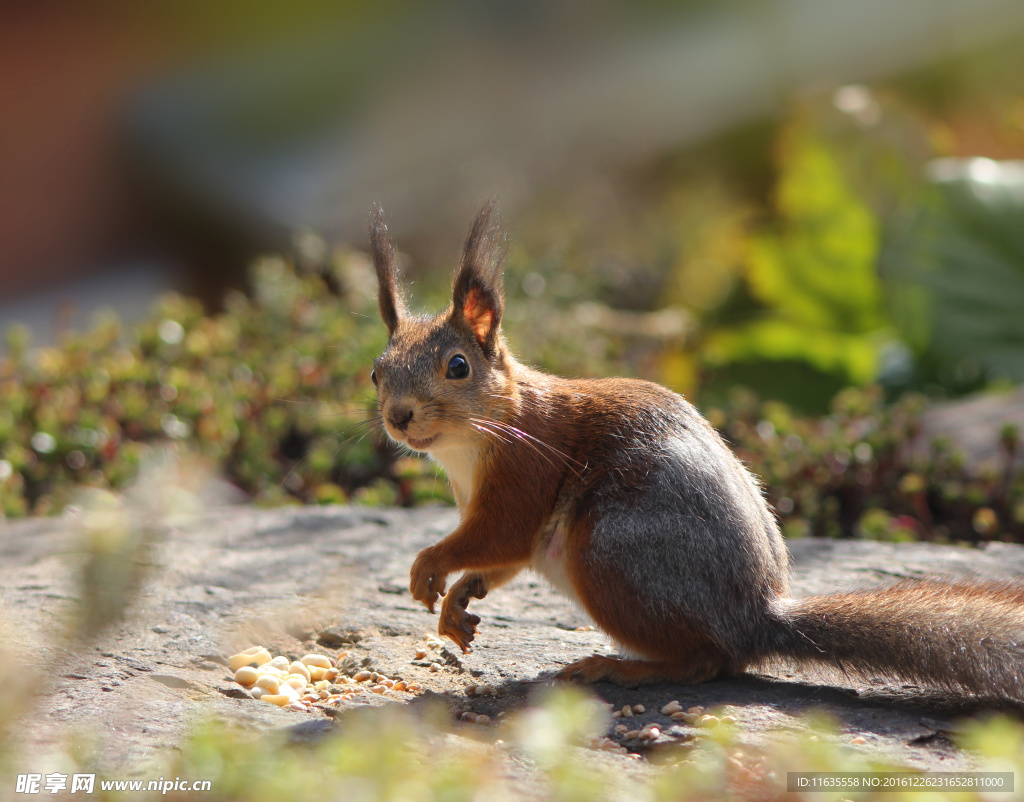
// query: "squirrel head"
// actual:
[[443, 378]]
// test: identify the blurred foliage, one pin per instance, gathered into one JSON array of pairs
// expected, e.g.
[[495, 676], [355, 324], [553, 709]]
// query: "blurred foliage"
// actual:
[[541, 752], [275, 392], [815, 275], [865, 470], [271, 391]]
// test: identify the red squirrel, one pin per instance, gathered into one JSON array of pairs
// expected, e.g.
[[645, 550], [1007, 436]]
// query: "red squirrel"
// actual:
[[628, 501]]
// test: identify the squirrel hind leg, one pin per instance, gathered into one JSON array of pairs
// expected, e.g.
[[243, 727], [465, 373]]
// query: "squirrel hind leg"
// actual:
[[631, 673]]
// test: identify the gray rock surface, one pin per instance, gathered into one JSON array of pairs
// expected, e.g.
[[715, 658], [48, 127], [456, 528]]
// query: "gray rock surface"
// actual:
[[329, 578]]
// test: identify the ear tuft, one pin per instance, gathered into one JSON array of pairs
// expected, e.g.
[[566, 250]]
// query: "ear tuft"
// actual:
[[389, 299], [478, 294]]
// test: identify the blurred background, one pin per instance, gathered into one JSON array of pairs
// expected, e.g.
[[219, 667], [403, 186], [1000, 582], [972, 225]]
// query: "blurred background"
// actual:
[[751, 202]]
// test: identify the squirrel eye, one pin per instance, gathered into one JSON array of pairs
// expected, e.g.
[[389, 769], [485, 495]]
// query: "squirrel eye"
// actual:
[[458, 367], [373, 377]]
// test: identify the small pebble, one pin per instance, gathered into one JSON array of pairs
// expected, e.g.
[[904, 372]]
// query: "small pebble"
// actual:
[[435, 667], [483, 719], [859, 740], [280, 700], [621, 729], [638, 709], [709, 721], [627, 711], [728, 719], [468, 716], [362, 676], [629, 736], [672, 707], [695, 709], [414, 687], [257, 692], [650, 733], [420, 654], [280, 662], [379, 688], [316, 673], [299, 668], [399, 686]]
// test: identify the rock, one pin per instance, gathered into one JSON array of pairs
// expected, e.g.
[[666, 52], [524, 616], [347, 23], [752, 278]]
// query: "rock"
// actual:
[[319, 573]]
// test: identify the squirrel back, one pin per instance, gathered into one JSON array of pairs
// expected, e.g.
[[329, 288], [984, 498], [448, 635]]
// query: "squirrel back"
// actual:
[[628, 501]]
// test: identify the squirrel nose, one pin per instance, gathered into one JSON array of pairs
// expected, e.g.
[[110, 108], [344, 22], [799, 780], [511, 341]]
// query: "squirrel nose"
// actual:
[[400, 418]]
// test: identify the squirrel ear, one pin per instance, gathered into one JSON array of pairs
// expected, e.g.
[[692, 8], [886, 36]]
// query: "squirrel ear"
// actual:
[[389, 299], [478, 295]]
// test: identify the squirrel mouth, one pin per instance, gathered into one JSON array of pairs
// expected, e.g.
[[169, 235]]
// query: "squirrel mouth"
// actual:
[[421, 445]]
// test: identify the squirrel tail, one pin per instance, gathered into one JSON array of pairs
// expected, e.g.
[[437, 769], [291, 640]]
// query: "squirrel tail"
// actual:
[[962, 637]]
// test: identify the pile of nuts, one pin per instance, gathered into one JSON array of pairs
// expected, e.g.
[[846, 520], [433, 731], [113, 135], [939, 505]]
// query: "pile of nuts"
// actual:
[[299, 684]]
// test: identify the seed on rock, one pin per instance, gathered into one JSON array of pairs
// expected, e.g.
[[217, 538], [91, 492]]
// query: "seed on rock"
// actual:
[[621, 728], [279, 699], [629, 736], [362, 676], [650, 733], [414, 687], [627, 711], [399, 686], [483, 719], [471, 690], [254, 656], [728, 719], [257, 692], [297, 681], [420, 654], [316, 673], [280, 662], [322, 685], [387, 683], [688, 718], [468, 716], [695, 709], [379, 688], [299, 668], [638, 709], [858, 740], [321, 660], [435, 667], [296, 706], [709, 721], [617, 714], [269, 683], [671, 707], [310, 698], [247, 676]]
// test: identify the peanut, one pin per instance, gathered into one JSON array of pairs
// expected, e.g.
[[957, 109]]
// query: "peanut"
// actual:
[[317, 660], [247, 676], [254, 656]]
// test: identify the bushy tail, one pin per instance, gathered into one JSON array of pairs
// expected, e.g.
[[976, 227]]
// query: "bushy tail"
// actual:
[[963, 637]]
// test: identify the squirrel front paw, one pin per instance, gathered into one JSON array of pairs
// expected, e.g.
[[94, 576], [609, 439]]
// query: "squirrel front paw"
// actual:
[[456, 621], [427, 580]]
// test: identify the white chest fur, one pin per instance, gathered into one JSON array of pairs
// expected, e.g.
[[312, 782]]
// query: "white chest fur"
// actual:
[[459, 462]]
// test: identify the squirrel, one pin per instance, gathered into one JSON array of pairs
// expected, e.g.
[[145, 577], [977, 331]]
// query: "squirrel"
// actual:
[[623, 496]]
